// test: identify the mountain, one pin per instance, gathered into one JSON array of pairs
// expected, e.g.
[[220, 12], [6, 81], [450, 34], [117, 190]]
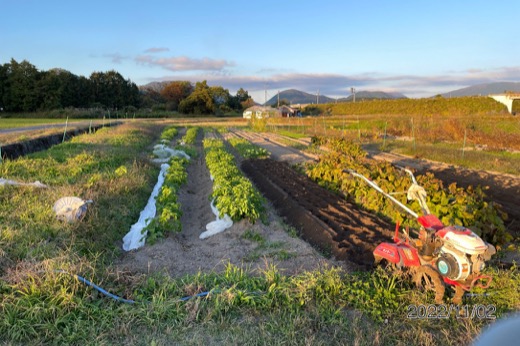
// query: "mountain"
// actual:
[[154, 86], [297, 96], [484, 89], [373, 95]]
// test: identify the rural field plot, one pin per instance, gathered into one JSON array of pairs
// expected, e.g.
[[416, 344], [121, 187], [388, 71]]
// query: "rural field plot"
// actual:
[[245, 243], [298, 272]]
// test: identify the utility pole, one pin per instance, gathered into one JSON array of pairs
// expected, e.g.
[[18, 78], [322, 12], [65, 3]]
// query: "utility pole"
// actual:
[[318, 97], [353, 90], [278, 98]]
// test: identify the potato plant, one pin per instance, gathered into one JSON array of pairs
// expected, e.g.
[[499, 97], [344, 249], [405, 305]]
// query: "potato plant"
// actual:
[[233, 193], [452, 205], [169, 212], [191, 135], [169, 133]]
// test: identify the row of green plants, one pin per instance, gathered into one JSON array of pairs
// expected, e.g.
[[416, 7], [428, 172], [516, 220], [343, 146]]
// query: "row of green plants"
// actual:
[[453, 205], [191, 135], [169, 133], [247, 149], [169, 211], [233, 193]]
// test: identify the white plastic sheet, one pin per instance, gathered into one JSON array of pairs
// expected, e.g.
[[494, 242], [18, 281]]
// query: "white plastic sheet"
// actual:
[[217, 226], [135, 239], [4, 182], [164, 152]]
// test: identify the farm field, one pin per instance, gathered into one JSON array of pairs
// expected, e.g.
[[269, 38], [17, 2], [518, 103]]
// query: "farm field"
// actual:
[[295, 271], [488, 143]]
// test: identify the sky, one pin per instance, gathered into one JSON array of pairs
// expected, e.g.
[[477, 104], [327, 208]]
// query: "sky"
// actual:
[[418, 48]]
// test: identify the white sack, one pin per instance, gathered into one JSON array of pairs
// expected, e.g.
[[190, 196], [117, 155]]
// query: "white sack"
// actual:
[[134, 239]]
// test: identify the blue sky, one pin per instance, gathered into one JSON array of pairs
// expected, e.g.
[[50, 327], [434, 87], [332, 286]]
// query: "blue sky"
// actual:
[[419, 48]]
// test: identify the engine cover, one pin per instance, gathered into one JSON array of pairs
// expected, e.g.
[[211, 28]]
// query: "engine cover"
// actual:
[[462, 239], [453, 264]]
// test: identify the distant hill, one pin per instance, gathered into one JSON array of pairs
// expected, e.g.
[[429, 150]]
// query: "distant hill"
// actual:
[[373, 95], [484, 89], [155, 86], [297, 96]]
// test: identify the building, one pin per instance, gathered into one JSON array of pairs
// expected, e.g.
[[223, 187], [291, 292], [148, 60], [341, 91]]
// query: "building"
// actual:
[[287, 111], [260, 112]]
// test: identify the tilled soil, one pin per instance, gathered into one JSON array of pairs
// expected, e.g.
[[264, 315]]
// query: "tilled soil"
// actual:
[[325, 220]]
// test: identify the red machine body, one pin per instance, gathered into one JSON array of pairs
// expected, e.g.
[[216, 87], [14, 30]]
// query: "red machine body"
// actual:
[[452, 255]]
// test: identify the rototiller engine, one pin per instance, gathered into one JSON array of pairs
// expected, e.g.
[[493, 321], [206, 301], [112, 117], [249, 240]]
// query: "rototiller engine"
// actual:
[[440, 255]]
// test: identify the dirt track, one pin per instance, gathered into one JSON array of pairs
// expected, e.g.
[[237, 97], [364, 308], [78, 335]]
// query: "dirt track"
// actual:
[[324, 219]]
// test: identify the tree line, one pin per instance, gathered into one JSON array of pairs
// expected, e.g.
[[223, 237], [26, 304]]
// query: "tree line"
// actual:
[[186, 98], [24, 88]]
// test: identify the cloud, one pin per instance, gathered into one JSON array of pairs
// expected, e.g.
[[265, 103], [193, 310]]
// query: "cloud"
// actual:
[[116, 57], [183, 63], [157, 50], [338, 85]]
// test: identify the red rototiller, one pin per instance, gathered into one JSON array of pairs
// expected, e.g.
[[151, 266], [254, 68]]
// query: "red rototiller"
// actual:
[[441, 255]]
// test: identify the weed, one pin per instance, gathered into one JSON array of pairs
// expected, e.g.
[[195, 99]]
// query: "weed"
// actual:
[[291, 231], [253, 236]]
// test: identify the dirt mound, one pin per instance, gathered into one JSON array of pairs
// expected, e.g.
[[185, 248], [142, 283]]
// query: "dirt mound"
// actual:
[[324, 219]]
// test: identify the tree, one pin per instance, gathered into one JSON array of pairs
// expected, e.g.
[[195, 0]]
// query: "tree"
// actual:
[[3, 85], [241, 100], [199, 102], [221, 100], [20, 87], [111, 90], [49, 90], [174, 92]]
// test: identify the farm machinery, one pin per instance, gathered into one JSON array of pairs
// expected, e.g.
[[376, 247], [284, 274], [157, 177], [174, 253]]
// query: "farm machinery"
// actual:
[[440, 255]]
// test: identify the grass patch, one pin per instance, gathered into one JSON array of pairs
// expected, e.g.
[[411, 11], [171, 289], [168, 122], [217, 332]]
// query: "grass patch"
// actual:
[[11, 123], [291, 134], [253, 236], [326, 307], [499, 161]]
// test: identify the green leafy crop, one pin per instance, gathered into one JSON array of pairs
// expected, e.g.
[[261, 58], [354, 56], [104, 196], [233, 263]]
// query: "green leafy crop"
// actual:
[[233, 193], [452, 205]]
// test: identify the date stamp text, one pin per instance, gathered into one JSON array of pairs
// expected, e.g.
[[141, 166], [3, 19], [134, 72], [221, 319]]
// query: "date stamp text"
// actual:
[[438, 311]]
